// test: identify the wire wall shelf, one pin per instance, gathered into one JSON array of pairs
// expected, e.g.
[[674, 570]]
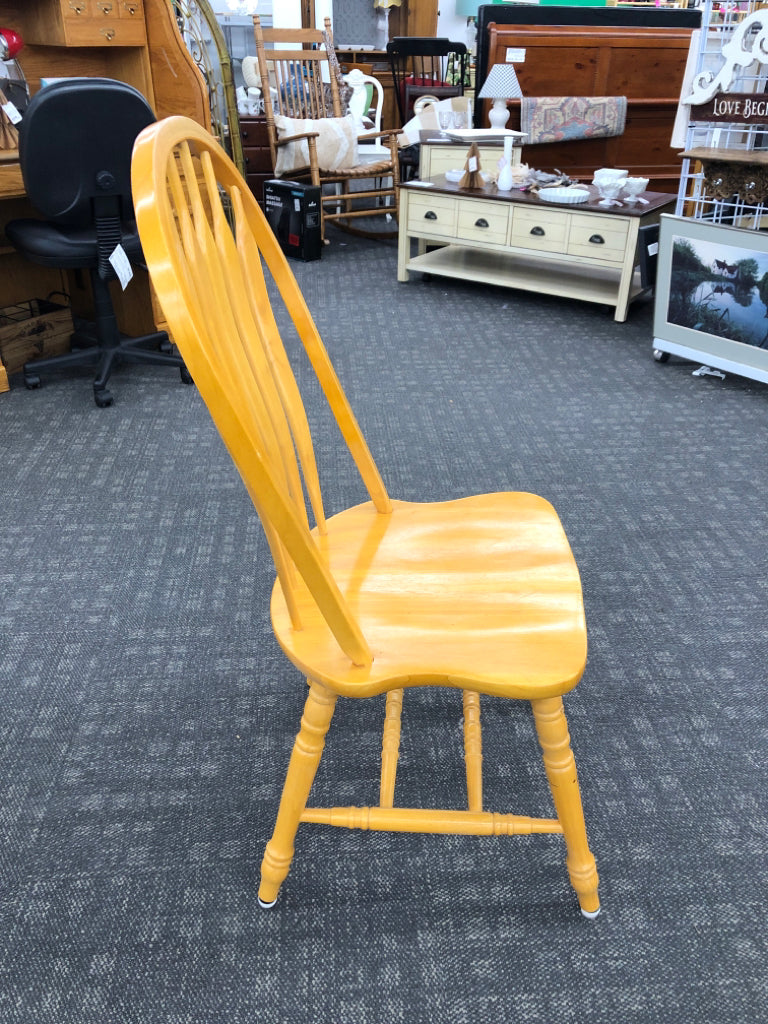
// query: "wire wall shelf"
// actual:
[[724, 50]]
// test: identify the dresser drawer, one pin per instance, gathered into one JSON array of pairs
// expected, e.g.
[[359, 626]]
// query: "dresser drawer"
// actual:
[[545, 230], [257, 160], [442, 158], [434, 215], [486, 222], [602, 238]]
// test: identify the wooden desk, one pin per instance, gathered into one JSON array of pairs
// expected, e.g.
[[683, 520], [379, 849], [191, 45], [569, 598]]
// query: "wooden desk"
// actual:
[[135, 41], [516, 240]]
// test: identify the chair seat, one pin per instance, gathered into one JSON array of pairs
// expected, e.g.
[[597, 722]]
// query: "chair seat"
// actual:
[[50, 245], [366, 170], [481, 593]]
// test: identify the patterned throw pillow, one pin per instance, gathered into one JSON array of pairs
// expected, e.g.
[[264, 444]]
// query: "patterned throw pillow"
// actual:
[[336, 143]]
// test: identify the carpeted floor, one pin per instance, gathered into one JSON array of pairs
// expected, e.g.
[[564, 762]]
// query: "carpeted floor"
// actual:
[[147, 714]]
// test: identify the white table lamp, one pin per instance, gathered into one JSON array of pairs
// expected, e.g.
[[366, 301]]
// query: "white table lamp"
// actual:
[[500, 85]]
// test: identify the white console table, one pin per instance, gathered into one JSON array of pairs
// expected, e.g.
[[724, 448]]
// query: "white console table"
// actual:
[[517, 240]]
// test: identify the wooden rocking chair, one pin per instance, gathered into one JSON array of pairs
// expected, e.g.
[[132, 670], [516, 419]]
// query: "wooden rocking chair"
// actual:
[[310, 137]]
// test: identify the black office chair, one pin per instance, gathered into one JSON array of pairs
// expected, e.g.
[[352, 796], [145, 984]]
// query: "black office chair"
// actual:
[[75, 146], [424, 66]]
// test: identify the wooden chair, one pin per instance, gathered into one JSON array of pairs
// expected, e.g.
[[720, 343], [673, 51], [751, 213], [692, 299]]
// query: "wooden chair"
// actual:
[[425, 66], [311, 139], [480, 594]]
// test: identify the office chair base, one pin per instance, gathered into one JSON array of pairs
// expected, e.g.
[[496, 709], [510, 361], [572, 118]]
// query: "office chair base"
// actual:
[[130, 350]]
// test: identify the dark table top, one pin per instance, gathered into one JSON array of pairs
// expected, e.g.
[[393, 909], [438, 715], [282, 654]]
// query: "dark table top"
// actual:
[[438, 183]]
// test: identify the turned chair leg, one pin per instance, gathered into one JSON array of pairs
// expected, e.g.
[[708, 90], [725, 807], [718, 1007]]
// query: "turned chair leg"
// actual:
[[305, 758], [560, 766]]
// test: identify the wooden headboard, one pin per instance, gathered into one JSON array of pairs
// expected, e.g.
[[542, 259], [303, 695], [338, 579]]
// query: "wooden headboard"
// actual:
[[616, 53]]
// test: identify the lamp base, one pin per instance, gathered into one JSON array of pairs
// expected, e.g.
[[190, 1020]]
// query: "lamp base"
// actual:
[[498, 115]]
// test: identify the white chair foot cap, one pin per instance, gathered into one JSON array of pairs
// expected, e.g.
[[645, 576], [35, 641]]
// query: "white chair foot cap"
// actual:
[[590, 914], [266, 906]]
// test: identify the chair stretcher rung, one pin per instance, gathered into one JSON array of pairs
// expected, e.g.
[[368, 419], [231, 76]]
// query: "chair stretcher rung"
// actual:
[[409, 819]]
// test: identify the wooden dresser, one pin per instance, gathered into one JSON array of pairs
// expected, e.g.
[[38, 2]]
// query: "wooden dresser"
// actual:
[[256, 154]]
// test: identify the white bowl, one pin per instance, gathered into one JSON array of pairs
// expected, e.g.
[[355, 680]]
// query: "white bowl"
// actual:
[[564, 195]]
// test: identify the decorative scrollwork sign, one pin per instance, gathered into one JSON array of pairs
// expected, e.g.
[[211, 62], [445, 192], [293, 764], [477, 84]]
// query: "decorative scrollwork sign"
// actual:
[[749, 43]]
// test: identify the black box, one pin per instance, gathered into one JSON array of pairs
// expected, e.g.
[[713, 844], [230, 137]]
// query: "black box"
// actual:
[[293, 212]]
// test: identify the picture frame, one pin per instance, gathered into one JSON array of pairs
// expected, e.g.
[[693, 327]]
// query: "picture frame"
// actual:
[[711, 299]]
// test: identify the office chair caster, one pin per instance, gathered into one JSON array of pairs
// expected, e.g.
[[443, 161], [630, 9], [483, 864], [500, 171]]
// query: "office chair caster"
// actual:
[[102, 397], [659, 356], [32, 381], [186, 376]]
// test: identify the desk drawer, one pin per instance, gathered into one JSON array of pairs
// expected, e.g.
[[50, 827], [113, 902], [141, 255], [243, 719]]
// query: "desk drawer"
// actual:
[[485, 222], [435, 215], [546, 230], [105, 31], [602, 238]]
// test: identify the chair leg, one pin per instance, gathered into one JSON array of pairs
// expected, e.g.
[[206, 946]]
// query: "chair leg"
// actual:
[[305, 758], [560, 765], [390, 748]]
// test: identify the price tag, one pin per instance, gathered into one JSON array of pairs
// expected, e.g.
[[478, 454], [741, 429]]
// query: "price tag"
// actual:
[[11, 112], [121, 266]]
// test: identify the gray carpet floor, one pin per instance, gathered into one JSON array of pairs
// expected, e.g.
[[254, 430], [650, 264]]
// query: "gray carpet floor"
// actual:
[[147, 714]]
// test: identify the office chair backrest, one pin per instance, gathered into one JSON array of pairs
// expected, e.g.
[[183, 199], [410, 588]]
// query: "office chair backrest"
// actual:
[[75, 145]]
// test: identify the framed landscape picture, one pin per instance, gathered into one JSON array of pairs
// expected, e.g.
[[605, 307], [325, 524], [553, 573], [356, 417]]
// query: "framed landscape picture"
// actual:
[[711, 302]]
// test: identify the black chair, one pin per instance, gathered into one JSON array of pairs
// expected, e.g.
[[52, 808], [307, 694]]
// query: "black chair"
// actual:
[[423, 66], [75, 146]]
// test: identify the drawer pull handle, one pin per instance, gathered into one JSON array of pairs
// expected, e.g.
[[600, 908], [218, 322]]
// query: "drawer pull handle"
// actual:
[[481, 222], [537, 231], [131, 8], [106, 8], [108, 33], [430, 215], [78, 8], [597, 239]]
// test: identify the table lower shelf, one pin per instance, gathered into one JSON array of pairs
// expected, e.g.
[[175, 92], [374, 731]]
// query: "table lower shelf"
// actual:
[[587, 282]]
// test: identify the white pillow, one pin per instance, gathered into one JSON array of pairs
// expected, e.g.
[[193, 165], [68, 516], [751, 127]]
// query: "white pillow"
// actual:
[[336, 143]]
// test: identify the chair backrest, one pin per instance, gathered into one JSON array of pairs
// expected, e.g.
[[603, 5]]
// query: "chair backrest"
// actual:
[[422, 65], [367, 97], [75, 145], [302, 66], [204, 238]]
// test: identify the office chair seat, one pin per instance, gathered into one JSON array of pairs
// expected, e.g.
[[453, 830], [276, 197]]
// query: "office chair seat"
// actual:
[[75, 145], [69, 248]]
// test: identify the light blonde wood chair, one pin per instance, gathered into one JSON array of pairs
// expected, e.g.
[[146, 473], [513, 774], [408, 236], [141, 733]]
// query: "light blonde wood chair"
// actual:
[[311, 139], [480, 594]]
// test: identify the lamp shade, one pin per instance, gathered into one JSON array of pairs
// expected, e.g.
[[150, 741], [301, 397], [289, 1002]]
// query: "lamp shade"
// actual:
[[501, 84]]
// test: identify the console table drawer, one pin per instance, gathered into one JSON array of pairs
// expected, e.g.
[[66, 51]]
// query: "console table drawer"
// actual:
[[487, 222], [546, 230], [435, 215], [602, 238]]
